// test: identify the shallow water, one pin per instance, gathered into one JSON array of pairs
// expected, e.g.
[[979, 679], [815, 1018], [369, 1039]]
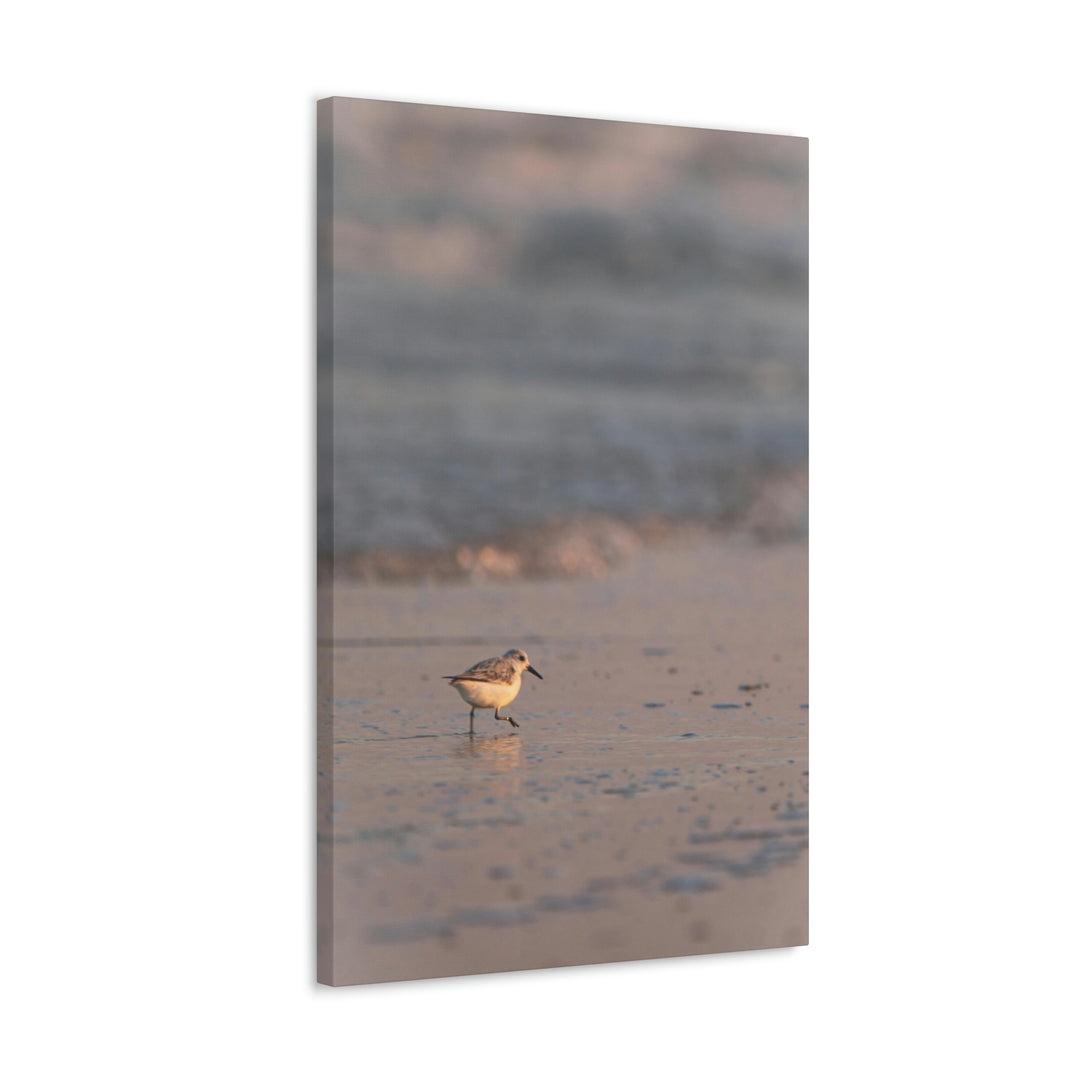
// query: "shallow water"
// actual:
[[565, 819], [437, 442]]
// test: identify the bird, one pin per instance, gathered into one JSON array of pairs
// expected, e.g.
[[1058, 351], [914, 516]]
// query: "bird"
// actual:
[[493, 683]]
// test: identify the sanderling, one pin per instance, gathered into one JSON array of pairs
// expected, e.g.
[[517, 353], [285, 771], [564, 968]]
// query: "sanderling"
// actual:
[[493, 683]]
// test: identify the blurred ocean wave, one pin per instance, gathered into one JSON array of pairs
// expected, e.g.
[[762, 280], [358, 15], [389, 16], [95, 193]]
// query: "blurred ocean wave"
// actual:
[[583, 545]]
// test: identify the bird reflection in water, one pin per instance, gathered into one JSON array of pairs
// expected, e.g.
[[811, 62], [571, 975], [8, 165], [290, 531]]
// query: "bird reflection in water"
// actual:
[[499, 755]]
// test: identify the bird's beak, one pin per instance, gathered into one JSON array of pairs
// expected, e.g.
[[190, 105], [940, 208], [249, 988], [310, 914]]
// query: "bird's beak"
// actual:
[[534, 671]]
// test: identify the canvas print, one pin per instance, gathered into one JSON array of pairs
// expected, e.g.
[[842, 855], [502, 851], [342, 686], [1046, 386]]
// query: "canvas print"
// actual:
[[562, 549]]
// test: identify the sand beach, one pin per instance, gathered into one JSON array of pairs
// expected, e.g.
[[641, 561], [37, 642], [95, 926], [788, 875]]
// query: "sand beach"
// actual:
[[652, 803]]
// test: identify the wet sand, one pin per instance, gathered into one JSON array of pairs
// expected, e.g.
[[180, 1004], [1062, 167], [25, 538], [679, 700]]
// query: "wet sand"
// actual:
[[652, 803]]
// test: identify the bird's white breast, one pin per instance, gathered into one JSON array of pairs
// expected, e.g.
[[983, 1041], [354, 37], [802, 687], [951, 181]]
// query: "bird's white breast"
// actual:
[[485, 695]]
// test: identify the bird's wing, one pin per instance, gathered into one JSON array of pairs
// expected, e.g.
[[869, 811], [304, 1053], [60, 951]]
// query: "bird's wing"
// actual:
[[496, 670]]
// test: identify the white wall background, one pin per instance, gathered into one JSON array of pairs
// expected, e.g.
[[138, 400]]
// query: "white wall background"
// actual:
[[157, 434]]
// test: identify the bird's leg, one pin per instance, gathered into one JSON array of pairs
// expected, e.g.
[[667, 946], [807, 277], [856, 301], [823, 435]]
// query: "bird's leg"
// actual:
[[471, 712], [509, 719]]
